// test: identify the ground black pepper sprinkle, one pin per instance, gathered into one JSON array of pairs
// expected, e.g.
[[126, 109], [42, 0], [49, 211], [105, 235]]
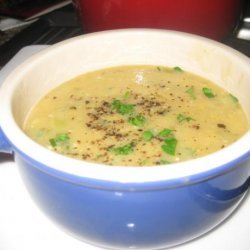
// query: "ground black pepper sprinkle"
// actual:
[[196, 126], [162, 101], [221, 125]]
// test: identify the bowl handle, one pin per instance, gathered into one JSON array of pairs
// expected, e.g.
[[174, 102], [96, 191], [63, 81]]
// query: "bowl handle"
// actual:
[[5, 146]]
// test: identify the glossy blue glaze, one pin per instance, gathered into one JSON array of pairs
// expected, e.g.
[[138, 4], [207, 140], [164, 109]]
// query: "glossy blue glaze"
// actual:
[[106, 215], [5, 146]]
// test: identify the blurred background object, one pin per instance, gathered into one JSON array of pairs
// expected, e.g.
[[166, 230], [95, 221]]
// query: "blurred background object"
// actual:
[[62, 22], [210, 18]]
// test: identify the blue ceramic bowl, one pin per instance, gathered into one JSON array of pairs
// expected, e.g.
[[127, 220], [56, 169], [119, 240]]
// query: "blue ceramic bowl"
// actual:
[[128, 207]]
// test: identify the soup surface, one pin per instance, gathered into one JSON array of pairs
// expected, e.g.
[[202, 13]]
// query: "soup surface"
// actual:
[[137, 116]]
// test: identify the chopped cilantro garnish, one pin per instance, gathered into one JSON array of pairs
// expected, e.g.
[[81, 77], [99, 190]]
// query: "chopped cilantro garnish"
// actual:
[[165, 132], [126, 94], [137, 120], [190, 151], [147, 135], [190, 91], [122, 108], [181, 118], [234, 98], [169, 146], [124, 150], [59, 140], [98, 156], [178, 69], [144, 162], [208, 92], [62, 137], [52, 142], [164, 162]]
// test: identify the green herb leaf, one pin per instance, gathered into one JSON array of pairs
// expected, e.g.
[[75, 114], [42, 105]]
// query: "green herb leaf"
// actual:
[[122, 108], [52, 142], [62, 137], [169, 146], [137, 120], [144, 162], [165, 132], [190, 91], [59, 140], [127, 94], [182, 118], [234, 98], [147, 135], [190, 152], [178, 69], [124, 150], [208, 92], [164, 162]]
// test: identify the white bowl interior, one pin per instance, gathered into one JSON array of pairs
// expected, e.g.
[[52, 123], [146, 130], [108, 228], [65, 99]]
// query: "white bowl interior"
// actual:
[[61, 62], [89, 53]]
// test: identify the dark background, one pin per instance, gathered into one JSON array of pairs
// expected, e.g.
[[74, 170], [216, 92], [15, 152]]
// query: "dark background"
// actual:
[[63, 23]]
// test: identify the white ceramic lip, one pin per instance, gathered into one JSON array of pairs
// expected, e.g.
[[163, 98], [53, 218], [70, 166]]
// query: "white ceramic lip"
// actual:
[[183, 170]]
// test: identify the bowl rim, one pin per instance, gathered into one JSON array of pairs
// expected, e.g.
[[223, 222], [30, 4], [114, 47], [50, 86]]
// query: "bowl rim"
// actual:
[[176, 173]]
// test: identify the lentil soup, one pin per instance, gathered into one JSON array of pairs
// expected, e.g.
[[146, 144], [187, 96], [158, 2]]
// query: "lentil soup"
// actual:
[[141, 115]]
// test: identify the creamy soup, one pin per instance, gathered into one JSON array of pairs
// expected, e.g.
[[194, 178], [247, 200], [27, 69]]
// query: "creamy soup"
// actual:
[[137, 116]]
